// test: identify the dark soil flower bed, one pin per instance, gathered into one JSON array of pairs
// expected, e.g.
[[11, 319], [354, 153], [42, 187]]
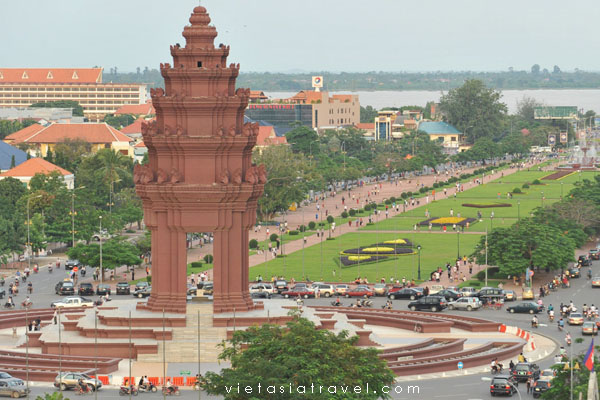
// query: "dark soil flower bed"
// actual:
[[557, 175], [487, 205], [348, 261]]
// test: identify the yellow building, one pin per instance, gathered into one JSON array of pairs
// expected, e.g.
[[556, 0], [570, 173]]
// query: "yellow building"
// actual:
[[450, 137], [21, 87], [43, 138]]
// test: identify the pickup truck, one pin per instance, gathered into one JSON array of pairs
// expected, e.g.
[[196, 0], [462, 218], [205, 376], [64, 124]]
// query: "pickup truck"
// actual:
[[73, 302]]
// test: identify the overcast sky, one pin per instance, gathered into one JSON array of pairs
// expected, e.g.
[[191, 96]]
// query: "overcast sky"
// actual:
[[309, 35]]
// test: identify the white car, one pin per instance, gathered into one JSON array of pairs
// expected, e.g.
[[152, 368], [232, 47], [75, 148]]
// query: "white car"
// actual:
[[73, 302], [324, 289], [436, 288], [465, 303], [262, 287]]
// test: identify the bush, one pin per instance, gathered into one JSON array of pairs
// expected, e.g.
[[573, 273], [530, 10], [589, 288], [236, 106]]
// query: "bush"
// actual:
[[352, 212], [344, 214], [149, 279], [422, 190], [321, 224], [129, 231], [367, 207], [536, 182], [388, 202], [330, 219], [517, 190], [253, 243], [312, 225], [409, 194], [196, 264], [294, 233], [208, 259], [436, 185], [273, 237], [525, 186], [404, 195], [492, 271], [393, 199], [302, 228]]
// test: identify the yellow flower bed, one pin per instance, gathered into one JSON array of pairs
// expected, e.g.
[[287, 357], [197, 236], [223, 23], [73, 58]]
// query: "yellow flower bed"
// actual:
[[377, 249], [447, 220], [358, 258], [397, 241]]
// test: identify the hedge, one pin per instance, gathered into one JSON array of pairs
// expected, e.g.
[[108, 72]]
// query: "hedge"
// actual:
[[352, 212], [253, 244], [312, 225], [208, 259], [196, 264], [344, 214], [294, 233], [273, 237], [302, 228], [330, 219], [517, 190]]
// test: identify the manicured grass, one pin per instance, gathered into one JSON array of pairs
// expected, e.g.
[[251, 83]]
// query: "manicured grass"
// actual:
[[437, 249]]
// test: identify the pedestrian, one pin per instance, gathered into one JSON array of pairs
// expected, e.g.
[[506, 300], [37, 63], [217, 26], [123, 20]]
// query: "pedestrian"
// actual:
[[529, 381], [133, 275], [451, 212]]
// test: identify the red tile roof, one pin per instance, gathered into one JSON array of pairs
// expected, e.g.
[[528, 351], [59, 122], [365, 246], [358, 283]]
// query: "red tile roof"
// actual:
[[56, 133], [34, 166], [366, 125], [257, 95], [140, 145], [137, 109], [266, 137], [50, 75], [307, 97], [136, 127], [343, 98]]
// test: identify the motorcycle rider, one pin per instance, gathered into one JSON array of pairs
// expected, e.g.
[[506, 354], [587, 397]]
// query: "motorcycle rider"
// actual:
[[534, 322], [551, 315], [568, 339], [561, 324], [337, 301], [82, 386]]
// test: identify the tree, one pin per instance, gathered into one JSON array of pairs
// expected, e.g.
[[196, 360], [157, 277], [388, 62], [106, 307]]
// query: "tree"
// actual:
[[129, 207], [561, 384], [69, 153], [52, 396], [367, 114], [474, 109], [12, 221], [77, 108], [526, 244], [13, 163], [119, 121], [526, 108], [556, 70], [115, 253], [300, 355], [289, 177], [304, 140], [535, 69], [483, 149]]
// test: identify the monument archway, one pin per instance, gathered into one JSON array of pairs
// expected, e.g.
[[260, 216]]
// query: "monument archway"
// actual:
[[199, 177]]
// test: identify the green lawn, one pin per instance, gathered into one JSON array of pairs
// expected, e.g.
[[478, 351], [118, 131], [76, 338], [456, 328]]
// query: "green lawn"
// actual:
[[437, 249]]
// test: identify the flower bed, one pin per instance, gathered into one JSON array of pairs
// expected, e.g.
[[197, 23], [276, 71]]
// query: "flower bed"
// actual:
[[375, 252], [349, 261], [445, 221], [558, 175], [378, 250], [491, 205]]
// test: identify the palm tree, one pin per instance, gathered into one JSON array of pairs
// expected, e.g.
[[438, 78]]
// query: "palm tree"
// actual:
[[115, 168]]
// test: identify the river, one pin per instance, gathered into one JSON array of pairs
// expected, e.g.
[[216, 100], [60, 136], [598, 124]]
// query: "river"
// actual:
[[588, 99]]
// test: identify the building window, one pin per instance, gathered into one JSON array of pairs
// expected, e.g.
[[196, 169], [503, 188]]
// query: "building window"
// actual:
[[453, 138], [199, 64]]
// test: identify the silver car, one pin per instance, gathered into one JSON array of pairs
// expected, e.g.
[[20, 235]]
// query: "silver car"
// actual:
[[465, 303], [13, 388], [468, 291]]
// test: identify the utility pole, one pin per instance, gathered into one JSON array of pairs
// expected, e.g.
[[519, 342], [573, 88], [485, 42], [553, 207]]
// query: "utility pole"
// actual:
[[101, 269]]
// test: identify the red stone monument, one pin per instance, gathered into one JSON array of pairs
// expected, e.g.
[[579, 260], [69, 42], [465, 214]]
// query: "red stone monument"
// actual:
[[200, 177]]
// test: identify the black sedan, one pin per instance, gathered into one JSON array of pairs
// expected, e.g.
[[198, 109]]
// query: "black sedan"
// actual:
[[525, 307], [449, 294], [103, 289], [503, 384], [574, 273], [524, 371], [404, 293], [85, 289]]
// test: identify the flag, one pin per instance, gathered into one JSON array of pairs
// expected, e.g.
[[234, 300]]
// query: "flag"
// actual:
[[588, 361]]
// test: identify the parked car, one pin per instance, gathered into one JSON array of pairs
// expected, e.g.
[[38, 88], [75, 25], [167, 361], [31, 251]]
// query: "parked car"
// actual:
[[404, 293], [341, 289], [70, 264], [192, 290], [448, 294], [65, 288], [596, 281], [73, 302], [260, 295], [281, 286], [468, 291], [141, 284], [380, 289], [503, 384], [299, 290], [488, 294], [360, 292], [524, 371], [6, 377], [528, 294], [465, 303], [142, 292], [589, 328], [435, 288], [13, 389], [207, 289], [123, 288], [547, 373], [575, 319], [69, 380], [85, 289], [509, 295], [540, 386], [428, 303], [594, 254], [2, 293], [525, 307], [102, 289], [324, 289], [261, 287]]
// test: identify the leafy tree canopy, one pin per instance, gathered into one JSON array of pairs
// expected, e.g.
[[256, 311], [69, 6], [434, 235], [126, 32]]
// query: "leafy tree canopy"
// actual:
[[301, 355], [77, 108]]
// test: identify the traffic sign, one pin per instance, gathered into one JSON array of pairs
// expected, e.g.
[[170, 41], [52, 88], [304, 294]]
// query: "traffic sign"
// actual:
[[460, 365], [186, 373], [75, 269]]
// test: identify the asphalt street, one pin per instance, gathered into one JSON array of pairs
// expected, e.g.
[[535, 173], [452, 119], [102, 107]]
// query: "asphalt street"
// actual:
[[463, 387]]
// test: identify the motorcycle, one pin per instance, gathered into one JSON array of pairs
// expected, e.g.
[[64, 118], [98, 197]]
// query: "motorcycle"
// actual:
[[147, 389], [551, 317], [49, 269], [83, 390], [9, 306], [497, 370], [534, 324], [127, 390], [568, 340], [27, 305], [336, 304], [173, 390]]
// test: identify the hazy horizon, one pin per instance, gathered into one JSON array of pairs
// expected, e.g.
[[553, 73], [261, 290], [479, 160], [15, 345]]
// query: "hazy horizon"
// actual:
[[309, 36]]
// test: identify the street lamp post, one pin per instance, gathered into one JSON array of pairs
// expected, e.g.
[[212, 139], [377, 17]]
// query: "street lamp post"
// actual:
[[419, 263], [458, 244], [101, 269]]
